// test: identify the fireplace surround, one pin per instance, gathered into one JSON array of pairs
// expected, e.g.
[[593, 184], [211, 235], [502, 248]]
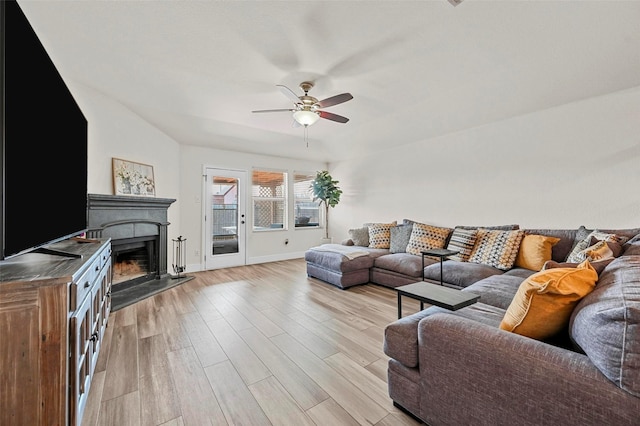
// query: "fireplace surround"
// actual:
[[135, 225]]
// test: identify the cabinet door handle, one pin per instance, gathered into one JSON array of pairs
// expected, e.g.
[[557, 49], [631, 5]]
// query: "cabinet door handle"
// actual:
[[94, 337], [87, 284], [97, 268]]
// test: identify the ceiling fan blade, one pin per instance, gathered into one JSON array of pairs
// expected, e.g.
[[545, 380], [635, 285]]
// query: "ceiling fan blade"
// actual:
[[289, 93], [335, 100], [333, 117], [274, 110]]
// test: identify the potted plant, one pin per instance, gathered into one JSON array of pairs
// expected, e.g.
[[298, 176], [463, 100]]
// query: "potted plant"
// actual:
[[325, 189]]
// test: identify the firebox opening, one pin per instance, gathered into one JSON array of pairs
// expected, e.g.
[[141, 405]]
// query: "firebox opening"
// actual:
[[130, 265], [134, 261]]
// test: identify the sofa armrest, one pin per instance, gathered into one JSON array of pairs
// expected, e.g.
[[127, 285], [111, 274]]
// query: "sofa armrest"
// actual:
[[472, 373]]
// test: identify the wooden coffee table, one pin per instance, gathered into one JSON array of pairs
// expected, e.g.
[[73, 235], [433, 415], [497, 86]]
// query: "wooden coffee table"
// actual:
[[437, 295]]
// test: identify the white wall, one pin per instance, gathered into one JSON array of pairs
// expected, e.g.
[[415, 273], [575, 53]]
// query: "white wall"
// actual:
[[576, 164], [261, 246], [115, 131]]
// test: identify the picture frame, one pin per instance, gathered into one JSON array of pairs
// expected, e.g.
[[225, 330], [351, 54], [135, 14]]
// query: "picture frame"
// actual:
[[133, 179]]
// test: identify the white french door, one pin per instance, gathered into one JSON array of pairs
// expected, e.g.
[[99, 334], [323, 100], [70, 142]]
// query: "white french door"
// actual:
[[225, 218]]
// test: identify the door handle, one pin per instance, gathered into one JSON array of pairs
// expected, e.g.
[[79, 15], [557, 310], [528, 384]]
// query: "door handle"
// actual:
[[242, 222]]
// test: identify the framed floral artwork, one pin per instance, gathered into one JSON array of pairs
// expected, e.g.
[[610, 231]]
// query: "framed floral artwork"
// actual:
[[131, 178]]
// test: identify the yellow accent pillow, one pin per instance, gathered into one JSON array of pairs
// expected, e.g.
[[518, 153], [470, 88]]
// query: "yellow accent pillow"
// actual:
[[534, 251], [543, 303]]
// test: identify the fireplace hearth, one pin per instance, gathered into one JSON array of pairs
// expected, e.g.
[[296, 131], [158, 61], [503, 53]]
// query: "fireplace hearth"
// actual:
[[137, 227]]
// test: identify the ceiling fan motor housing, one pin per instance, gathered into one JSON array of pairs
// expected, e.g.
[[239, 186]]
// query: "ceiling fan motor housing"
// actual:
[[307, 108]]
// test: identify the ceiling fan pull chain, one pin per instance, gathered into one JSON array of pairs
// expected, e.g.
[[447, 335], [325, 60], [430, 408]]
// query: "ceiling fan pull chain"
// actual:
[[306, 134]]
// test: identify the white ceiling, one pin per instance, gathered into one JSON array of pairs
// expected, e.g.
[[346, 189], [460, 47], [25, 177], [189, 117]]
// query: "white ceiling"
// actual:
[[416, 69]]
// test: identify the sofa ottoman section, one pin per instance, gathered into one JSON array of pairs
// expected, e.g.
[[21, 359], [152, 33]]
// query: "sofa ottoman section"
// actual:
[[342, 266]]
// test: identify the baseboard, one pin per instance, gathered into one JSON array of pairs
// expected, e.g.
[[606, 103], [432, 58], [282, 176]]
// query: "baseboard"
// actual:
[[197, 267], [274, 258]]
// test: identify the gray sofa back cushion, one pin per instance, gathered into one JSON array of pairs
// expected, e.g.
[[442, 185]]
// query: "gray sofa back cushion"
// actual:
[[606, 324], [632, 247]]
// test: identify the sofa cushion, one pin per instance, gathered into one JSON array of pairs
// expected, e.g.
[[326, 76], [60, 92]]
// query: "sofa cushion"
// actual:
[[497, 290], [543, 303], [360, 236], [459, 274], [403, 263], [463, 241], [534, 251], [380, 235], [401, 336], [632, 247], [425, 237], [497, 248], [400, 235], [521, 272], [606, 324]]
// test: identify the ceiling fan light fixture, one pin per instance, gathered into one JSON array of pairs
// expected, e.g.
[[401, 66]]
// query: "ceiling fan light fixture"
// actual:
[[305, 117]]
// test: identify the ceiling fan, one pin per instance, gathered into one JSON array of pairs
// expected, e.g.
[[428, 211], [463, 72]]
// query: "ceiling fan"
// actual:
[[306, 110]]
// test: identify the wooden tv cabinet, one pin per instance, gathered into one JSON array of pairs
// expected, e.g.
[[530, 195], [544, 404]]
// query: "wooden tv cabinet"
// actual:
[[53, 314]]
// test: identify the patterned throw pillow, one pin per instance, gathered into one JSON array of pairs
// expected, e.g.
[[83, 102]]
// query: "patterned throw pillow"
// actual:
[[380, 235], [462, 240], [497, 248], [400, 238], [599, 250], [576, 257], [360, 236], [425, 237]]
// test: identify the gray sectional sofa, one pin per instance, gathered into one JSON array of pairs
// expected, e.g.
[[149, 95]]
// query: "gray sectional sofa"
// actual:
[[455, 368]]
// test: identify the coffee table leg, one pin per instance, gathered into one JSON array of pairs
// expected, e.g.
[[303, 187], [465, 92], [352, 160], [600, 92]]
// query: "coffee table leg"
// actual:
[[421, 305], [399, 306]]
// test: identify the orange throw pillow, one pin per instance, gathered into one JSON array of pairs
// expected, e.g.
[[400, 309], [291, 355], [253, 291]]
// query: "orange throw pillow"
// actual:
[[544, 302], [534, 251]]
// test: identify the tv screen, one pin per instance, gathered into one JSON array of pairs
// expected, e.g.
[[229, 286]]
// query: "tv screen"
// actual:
[[44, 143]]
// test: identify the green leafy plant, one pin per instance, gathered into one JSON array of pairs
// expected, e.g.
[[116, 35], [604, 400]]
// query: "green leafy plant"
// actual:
[[325, 189]]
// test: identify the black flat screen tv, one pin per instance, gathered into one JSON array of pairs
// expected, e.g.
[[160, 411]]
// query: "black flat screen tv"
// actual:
[[44, 144]]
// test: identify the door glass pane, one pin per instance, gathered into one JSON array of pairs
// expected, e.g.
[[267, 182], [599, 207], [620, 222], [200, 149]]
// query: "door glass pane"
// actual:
[[224, 215]]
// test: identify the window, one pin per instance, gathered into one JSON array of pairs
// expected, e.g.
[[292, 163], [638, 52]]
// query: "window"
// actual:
[[269, 194], [307, 211]]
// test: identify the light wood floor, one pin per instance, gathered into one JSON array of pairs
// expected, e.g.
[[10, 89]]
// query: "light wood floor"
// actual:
[[253, 345]]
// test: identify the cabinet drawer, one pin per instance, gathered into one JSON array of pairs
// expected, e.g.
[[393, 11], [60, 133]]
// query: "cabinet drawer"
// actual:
[[81, 286]]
